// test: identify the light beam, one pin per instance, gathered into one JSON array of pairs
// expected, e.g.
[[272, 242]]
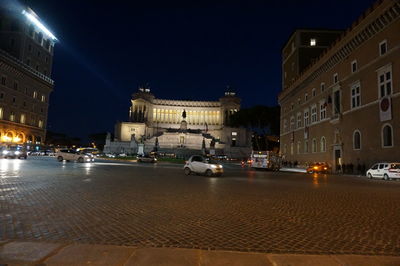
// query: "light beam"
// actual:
[[38, 24]]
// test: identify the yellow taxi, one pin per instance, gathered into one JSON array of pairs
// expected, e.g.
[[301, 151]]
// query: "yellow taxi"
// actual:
[[318, 168]]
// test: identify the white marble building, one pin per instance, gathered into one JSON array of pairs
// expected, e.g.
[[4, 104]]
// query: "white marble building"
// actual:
[[180, 126]]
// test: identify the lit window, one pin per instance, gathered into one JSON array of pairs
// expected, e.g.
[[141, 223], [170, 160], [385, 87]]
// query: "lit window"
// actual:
[[291, 148], [323, 144], [382, 47], [35, 94], [313, 42], [43, 99], [40, 123], [12, 116], [1, 112], [355, 96], [234, 133], [356, 140], [22, 119]]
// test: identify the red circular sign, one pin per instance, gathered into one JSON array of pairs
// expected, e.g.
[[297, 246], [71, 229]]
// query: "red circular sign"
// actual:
[[385, 104]]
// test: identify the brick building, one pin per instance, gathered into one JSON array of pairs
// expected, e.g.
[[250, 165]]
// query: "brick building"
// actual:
[[26, 56], [344, 106]]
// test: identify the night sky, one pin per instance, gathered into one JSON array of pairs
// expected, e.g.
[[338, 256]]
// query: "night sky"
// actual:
[[183, 50]]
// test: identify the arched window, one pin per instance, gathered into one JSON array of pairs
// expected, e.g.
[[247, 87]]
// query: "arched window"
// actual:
[[387, 136], [298, 147], [314, 145], [357, 140], [323, 144]]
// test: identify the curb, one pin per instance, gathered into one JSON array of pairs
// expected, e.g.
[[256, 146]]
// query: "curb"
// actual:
[[45, 253]]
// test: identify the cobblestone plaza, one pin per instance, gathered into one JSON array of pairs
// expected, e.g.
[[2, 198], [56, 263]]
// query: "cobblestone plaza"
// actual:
[[158, 206]]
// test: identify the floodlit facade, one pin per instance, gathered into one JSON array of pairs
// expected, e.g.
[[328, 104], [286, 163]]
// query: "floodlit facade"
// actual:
[[179, 126], [343, 108], [26, 57]]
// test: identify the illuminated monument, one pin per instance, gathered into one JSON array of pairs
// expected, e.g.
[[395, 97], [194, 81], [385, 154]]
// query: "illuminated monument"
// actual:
[[26, 57], [181, 127]]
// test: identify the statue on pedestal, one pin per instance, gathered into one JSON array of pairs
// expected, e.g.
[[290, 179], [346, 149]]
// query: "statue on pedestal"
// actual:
[[183, 123]]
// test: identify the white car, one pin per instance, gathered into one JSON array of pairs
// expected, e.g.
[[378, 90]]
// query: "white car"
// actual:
[[73, 155], [200, 165], [385, 171]]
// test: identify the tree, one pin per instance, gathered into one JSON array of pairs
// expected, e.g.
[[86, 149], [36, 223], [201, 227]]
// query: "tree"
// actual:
[[262, 119], [99, 139]]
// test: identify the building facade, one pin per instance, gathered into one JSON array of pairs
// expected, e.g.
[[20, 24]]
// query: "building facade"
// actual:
[[26, 56], [344, 107], [176, 125]]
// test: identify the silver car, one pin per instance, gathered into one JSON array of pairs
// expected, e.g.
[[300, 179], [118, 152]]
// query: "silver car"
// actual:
[[384, 171], [201, 165], [73, 155]]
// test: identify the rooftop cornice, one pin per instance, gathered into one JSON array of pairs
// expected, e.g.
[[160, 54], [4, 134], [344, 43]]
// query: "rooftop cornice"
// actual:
[[7, 57], [385, 12], [187, 103]]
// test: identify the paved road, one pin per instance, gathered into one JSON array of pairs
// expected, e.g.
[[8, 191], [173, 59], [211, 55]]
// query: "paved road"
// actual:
[[158, 206]]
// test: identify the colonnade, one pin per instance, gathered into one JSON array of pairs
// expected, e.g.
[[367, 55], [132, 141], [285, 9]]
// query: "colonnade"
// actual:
[[174, 116]]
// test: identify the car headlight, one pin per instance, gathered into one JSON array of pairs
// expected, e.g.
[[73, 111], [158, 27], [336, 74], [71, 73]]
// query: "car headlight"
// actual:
[[213, 166], [5, 152], [17, 152], [220, 166]]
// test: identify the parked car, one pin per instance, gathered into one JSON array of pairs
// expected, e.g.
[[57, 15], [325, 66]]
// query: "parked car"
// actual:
[[14, 152], [201, 165], [73, 155], [146, 159], [385, 171], [318, 168]]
